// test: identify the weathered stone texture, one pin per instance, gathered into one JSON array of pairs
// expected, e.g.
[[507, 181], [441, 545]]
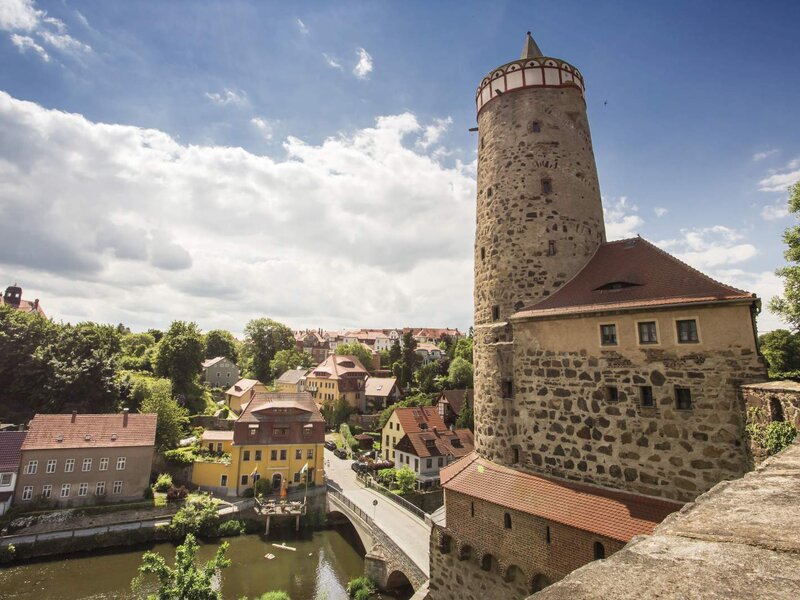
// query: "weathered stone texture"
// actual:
[[741, 540]]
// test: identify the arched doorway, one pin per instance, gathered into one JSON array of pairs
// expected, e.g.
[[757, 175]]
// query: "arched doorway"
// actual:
[[276, 481], [398, 585], [539, 583], [775, 410]]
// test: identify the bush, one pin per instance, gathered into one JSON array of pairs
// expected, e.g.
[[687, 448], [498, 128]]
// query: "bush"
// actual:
[[263, 487], [274, 596], [248, 493], [198, 516], [163, 483], [231, 528], [7, 554], [363, 594], [406, 480], [176, 493], [181, 456], [361, 588]]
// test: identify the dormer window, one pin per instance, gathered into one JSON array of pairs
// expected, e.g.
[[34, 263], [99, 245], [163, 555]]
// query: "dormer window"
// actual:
[[616, 285]]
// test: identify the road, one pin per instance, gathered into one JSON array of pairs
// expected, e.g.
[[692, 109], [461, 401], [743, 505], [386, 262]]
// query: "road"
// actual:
[[408, 531]]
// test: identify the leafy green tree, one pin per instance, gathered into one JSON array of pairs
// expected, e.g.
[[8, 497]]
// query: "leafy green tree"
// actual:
[[276, 595], [385, 362], [395, 352], [427, 378], [289, 359], [460, 373], [263, 339], [186, 580], [219, 342], [198, 516], [463, 349], [137, 351], [788, 306], [172, 419], [409, 359], [781, 348], [466, 418], [336, 411], [406, 480], [360, 351], [418, 399], [156, 333], [179, 356]]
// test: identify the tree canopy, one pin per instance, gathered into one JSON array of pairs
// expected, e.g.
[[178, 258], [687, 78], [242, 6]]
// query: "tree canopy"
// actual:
[[290, 359], [781, 348], [361, 352], [179, 356], [459, 375], [264, 338], [219, 342], [788, 306], [463, 349], [409, 359], [157, 398], [466, 418]]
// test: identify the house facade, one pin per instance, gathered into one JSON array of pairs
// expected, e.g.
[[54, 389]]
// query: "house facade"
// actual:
[[338, 377], [450, 402], [279, 437], [429, 353], [293, 380], [84, 458], [380, 392], [428, 451], [220, 372], [240, 393], [10, 446], [405, 420]]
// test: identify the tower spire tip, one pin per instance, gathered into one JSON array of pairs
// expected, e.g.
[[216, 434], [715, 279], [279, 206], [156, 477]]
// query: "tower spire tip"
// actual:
[[530, 49]]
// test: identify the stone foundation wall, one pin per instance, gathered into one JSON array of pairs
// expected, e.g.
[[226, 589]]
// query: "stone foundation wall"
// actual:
[[768, 402]]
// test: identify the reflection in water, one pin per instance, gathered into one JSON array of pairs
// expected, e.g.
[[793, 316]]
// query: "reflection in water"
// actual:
[[319, 570]]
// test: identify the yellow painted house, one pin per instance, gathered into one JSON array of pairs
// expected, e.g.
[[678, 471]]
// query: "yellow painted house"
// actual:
[[241, 392], [338, 377], [276, 437]]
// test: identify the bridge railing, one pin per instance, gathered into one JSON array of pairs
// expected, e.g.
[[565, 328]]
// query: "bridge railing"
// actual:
[[399, 500], [346, 501]]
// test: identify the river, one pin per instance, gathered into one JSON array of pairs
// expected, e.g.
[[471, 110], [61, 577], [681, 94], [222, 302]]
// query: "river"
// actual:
[[319, 569]]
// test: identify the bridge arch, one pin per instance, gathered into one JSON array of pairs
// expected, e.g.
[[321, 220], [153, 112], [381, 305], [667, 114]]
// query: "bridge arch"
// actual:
[[399, 583], [336, 517]]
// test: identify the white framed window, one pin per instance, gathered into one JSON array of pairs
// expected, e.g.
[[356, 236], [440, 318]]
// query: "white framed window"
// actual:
[[5, 479], [83, 489], [27, 492], [65, 490], [103, 466], [117, 489], [47, 490], [31, 467], [87, 465], [121, 463], [69, 465], [51, 465], [100, 488]]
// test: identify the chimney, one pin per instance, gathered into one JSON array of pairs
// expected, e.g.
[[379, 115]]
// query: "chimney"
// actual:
[[124, 417], [74, 414], [36, 304]]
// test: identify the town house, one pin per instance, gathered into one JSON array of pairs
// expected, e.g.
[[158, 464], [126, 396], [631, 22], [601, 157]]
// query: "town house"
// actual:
[[405, 420]]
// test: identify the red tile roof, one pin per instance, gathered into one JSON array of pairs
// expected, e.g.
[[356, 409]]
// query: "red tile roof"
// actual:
[[336, 366], [629, 274], [425, 444], [417, 418], [605, 512], [90, 431], [10, 443], [271, 406]]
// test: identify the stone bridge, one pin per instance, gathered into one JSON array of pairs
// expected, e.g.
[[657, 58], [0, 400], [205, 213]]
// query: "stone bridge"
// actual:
[[385, 562]]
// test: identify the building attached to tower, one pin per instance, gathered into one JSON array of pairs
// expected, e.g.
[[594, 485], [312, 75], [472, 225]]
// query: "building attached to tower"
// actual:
[[607, 374]]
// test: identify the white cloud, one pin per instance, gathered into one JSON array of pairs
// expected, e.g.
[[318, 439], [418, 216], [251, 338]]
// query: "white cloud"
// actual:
[[759, 156], [773, 212], [621, 220], [765, 284], [22, 15], [332, 62], [263, 125], [780, 180], [302, 27], [433, 132], [707, 247], [24, 43], [228, 96], [660, 212], [364, 65], [130, 225]]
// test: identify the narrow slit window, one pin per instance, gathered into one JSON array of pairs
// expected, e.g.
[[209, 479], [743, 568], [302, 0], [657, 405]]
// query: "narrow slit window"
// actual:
[[495, 313], [508, 391], [646, 396], [683, 398], [547, 186], [611, 393], [551, 248], [536, 127], [483, 253]]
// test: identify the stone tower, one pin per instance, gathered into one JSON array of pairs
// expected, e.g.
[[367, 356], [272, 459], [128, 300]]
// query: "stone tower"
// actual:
[[539, 216]]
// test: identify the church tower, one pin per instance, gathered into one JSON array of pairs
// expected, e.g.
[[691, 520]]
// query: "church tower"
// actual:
[[539, 216]]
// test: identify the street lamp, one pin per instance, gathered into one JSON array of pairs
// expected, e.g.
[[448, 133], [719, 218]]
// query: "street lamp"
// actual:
[[374, 507]]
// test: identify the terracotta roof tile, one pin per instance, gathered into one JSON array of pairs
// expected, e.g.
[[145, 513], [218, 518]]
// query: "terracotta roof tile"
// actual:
[[241, 387], [425, 444], [90, 431], [335, 366], [629, 274], [301, 404], [10, 444], [411, 417], [613, 514]]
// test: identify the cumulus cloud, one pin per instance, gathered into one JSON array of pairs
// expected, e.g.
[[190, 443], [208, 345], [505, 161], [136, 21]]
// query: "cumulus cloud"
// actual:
[[773, 212], [621, 218], [780, 180], [119, 223], [660, 212], [434, 131], [707, 247], [332, 62], [263, 126], [23, 16], [302, 27], [364, 65], [227, 96]]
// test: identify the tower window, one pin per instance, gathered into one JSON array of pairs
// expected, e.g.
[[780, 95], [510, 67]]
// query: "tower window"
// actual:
[[608, 335], [599, 551], [547, 186], [495, 313], [489, 192], [482, 143], [646, 396], [683, 398], [547, 534], [507, 521], [515, 455], [508, 392], [471, 509], [551, 248], [483, 253], [611, 393], [536, 127]]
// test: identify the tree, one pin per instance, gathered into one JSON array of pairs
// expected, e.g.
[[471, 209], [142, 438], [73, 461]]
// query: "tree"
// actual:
[[336, 411], [463, 349], [219, 342], [427, 378], [263, 339], [788, 306], [459, 375], [289, 359], [409, 359], [172, 419], [466, 418], [406, 480], [395, 352], [179, 356], [187, 579], [137, 351], [360, 351], [418, 399], [781, 348]]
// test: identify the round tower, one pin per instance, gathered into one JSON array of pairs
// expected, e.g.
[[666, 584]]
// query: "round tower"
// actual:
[[539, 216]]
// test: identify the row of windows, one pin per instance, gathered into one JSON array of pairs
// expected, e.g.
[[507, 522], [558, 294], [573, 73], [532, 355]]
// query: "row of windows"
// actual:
[[280, 431], [273, 454], [245, 479], [647, 331], [69, 465], [83, 489], [683, 396]]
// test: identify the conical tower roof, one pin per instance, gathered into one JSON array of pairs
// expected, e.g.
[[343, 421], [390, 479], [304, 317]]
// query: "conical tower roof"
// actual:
[[530, 49]]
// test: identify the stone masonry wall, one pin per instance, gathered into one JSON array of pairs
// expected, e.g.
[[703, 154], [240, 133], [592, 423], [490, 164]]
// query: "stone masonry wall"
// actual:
[[562, 425], [771, 401], [521, 558]]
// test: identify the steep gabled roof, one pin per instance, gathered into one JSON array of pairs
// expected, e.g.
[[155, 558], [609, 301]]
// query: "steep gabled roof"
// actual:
[[631, 274], [379, 386], [241, 387], [425, 444], [10, 444], [613, 514], [210, 362], [455, 398], [281, 406], [417, 418], [90, 431], [292, 376], [335, 366]]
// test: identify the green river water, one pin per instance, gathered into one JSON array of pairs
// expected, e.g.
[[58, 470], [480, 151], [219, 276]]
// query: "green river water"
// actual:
[[319, 569]]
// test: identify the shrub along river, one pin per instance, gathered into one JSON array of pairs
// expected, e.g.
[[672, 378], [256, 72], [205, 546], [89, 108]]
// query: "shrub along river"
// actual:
[[319, 569]]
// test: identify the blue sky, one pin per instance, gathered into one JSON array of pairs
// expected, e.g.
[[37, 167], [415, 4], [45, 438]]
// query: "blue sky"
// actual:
[[312, 161]]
